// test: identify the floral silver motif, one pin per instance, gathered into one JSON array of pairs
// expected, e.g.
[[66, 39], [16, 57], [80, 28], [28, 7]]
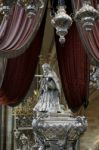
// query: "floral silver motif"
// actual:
[[87, 15], [61, 21]]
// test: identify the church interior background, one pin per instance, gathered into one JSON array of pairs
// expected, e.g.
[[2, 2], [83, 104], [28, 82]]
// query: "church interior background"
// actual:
[[16, 104]]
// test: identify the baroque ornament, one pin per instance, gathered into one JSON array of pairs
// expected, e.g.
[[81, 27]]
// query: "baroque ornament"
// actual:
[[61, 21], [87, 15], [53, 127], [31, 6]]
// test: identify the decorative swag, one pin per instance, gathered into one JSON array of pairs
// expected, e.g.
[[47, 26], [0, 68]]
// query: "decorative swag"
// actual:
[[18, 30], [90, 40], [74, 69], [20, 71]]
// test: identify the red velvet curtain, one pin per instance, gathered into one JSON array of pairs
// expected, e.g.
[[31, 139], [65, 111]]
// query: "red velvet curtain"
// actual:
[[18, 30], [74, 69], [20, 71], [90, 40]]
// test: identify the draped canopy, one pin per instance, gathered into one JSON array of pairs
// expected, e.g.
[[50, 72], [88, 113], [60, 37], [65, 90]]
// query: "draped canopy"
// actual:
[[20, 70], [72, 60], [17, 30]]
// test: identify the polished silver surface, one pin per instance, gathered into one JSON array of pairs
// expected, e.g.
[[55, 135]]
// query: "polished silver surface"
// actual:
[[87, 15], [31, 7], [58, 131], [49, 93], [53, 127], [61, 21]]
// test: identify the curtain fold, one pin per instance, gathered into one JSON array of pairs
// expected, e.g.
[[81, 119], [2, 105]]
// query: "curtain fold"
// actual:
[[3, 27], [3, 64], [20, 31], [90, 40], [20, 71], [74, 70]]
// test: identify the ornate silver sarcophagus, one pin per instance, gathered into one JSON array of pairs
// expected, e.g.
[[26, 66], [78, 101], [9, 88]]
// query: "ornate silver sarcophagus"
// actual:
[[58, 131], [53, 127]]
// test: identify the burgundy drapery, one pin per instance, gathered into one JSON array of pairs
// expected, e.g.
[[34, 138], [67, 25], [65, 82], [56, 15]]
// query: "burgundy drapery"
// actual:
[[3, 64], [3, 26], [89, 39], [20, 31], [74, 69], [20, 71]]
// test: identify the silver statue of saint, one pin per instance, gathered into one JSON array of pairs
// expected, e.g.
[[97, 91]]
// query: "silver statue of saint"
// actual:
[[49, 91]]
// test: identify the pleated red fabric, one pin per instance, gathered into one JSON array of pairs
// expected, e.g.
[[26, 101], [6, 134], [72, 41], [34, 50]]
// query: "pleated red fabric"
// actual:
[[3, 27], [74, 70], [18, 30], [20, 71]]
